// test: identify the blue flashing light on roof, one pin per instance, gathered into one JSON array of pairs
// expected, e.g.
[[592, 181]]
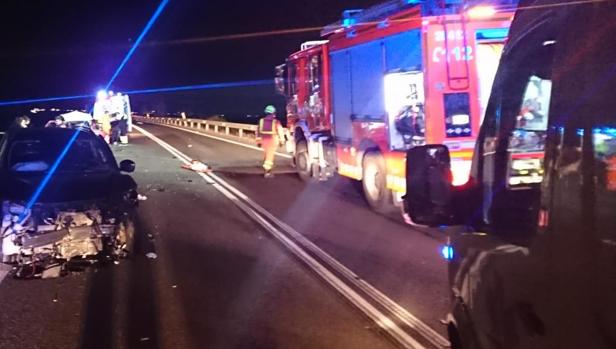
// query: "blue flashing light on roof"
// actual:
[[608, 131], [347, 22], [381, 12], [349, 17]]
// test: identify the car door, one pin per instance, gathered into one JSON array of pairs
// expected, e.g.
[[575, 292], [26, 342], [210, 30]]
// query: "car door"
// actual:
[[579, 198], [537, 269], [492, 285]]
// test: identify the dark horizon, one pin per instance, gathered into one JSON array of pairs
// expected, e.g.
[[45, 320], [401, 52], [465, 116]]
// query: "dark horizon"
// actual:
[[69, 48]]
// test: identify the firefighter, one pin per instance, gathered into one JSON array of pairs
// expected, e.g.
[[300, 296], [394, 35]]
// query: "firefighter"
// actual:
[[105, 126], [270, 135]]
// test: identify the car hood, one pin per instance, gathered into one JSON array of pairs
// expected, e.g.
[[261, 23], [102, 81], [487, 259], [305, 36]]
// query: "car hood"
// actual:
[[65, 187]]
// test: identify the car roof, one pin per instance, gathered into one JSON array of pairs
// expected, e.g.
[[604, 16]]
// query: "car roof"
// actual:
[[51, 133]]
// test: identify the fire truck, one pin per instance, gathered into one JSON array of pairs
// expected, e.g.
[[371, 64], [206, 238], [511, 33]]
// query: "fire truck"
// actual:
[[387, 78]]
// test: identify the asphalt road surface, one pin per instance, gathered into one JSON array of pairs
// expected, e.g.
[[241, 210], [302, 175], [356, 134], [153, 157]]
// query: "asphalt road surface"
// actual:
[[225, 277]]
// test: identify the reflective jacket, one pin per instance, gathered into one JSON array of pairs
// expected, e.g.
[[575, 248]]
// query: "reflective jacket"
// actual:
[[269, 126]]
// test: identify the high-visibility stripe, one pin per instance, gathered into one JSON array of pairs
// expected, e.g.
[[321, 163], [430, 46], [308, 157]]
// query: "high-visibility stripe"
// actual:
[[462, 154], [268, 165], [351, 171], [396, 183]]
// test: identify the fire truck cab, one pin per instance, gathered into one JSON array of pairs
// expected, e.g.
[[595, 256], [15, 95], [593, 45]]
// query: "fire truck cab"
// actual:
[[388, 78]]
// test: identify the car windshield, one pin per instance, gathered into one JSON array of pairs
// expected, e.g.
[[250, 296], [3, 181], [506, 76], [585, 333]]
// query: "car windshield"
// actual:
[[35, 155]]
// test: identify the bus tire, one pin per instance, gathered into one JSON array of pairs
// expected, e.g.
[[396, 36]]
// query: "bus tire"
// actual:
[[374, 183]]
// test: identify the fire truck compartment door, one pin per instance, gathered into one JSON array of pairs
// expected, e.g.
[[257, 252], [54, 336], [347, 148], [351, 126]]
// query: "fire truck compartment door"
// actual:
[[341, 91], [367, 81]]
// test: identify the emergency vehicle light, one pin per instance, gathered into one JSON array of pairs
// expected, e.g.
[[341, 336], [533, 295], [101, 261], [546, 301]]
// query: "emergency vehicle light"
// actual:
[[349, 17], [479, 12], [447, 252], [492, 33], [460, 171]]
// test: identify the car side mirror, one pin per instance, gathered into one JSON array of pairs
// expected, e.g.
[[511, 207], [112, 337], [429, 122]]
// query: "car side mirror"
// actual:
[[127, 166], [428, 185]]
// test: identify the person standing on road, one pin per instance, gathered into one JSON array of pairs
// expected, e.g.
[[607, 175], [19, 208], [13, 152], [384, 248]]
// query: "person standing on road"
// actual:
[[270, 135]]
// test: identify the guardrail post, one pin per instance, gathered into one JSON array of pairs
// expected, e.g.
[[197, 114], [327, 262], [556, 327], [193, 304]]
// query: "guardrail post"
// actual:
[[216, 128], [241, 133], [227, 130]]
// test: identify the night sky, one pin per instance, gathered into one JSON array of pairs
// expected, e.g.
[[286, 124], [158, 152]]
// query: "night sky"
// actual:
[[72, 47]]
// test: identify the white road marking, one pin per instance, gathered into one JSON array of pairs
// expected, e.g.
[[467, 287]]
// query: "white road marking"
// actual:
[[223, 140], [299, 245]]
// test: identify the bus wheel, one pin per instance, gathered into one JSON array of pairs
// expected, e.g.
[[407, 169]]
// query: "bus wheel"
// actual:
[[302, 162], [374, 183]]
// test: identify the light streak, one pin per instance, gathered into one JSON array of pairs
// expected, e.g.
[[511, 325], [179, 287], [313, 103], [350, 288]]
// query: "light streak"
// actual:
[[209, 86], [132, 50], [41, 100], [41, 187], [202, 87]]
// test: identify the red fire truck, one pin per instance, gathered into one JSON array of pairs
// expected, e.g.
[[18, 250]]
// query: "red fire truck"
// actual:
[[387, 78]]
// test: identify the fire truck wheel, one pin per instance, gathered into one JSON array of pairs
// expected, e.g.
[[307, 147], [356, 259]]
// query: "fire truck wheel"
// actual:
[[302, 162], [374, 183]]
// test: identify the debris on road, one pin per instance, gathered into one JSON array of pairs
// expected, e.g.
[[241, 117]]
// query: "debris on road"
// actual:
[[190, 145], [144, 339], [151, 255], [141, 197], [52, 272], [197, 166], [174, 286], [156, 187]]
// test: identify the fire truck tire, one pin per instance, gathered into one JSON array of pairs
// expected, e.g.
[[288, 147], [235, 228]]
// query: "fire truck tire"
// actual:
[[374, 183], [302, 162]]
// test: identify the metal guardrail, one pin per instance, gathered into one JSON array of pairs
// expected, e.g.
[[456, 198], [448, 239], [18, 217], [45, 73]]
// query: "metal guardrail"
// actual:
[[230, 129]]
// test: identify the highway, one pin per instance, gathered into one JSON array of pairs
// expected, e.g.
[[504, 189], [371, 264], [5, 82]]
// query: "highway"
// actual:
[[241, 262]]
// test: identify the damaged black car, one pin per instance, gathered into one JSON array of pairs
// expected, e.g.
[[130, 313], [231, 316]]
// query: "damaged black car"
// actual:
[[64, 201]]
